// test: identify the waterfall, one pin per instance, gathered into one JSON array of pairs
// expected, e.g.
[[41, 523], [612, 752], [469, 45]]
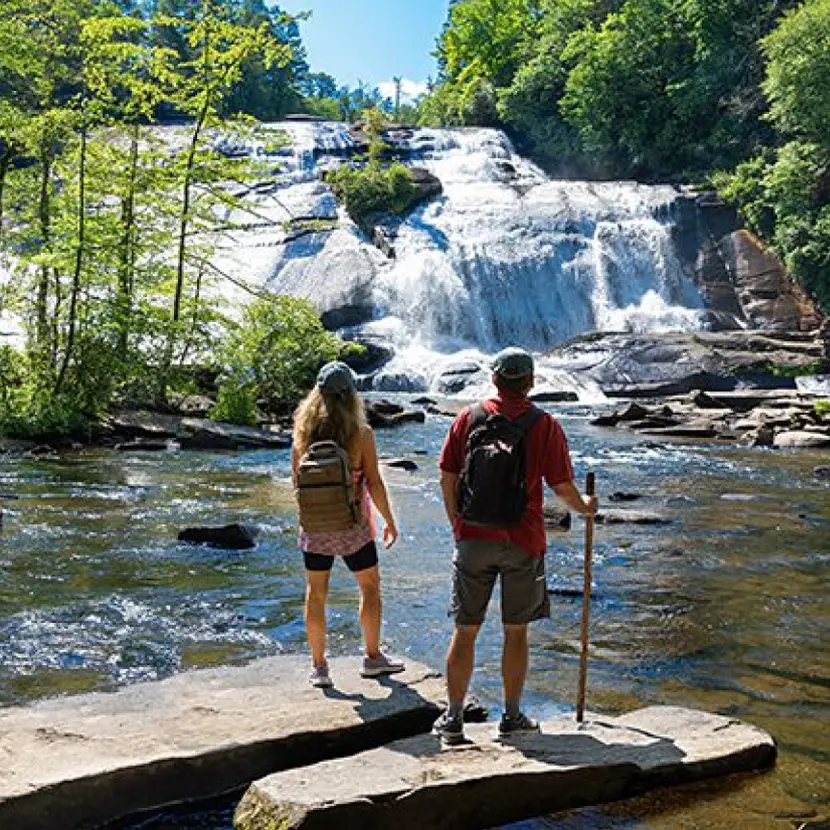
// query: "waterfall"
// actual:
[[504, 256]]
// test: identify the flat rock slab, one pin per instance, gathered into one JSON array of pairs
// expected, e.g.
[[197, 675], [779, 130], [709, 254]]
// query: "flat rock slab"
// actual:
[[82, 761], [415, 783]]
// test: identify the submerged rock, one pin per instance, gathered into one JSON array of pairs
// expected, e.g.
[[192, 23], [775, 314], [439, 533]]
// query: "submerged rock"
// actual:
[[400, 464], [634, 517], [227, 537]]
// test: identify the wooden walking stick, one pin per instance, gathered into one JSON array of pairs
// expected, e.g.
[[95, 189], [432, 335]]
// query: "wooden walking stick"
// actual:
[[586, 604]]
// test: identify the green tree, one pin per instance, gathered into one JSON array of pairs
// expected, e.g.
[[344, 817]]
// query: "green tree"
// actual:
[[220, 49], [482, 45], [797, 82], [272, 356], [784, 193]]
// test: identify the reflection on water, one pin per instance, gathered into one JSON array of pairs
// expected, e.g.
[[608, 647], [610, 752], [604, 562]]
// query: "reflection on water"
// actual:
[[724, 608]]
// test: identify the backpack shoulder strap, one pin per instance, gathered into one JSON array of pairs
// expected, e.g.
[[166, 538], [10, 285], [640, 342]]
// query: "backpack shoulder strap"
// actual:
[[526, 421], [478, 416]]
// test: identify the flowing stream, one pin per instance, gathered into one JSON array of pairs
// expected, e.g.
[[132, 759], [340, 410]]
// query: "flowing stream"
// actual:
[[723, 608]]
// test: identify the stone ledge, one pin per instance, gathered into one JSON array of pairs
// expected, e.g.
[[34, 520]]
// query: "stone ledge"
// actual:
[[415, 783], [83, 761]]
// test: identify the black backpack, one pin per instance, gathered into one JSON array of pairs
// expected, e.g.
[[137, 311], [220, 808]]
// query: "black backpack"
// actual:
[[492, 490]]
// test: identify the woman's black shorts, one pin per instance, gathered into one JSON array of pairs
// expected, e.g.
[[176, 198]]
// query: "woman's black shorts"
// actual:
[[366, 557]]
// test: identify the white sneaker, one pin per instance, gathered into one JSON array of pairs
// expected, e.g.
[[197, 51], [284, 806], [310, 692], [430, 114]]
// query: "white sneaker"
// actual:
[[319, 677]]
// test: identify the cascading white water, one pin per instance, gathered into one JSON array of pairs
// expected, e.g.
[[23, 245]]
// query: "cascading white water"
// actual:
[[504, 256]]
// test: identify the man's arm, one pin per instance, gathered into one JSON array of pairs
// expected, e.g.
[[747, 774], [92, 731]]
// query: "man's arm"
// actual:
[[449, 489], [575, 500]]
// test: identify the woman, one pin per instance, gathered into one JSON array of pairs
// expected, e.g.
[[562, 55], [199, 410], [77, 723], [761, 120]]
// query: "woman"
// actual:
[[334, 411]]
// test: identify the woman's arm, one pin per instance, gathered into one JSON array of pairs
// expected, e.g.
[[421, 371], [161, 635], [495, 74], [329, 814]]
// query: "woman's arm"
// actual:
[[376, 486]]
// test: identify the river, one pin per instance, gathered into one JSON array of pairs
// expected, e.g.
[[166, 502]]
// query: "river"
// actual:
[[725, 607]]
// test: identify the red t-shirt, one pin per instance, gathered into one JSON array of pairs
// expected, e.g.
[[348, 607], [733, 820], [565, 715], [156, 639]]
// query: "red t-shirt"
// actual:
[[548, 458]]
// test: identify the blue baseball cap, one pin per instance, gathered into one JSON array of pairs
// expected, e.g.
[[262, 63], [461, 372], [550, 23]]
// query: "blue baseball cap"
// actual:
[[512, 363], [335, 378]]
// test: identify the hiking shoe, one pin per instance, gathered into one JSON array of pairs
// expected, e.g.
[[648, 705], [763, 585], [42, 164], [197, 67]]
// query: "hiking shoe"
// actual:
[[449, 730], [520, 725], [319, 677], [381, 665]]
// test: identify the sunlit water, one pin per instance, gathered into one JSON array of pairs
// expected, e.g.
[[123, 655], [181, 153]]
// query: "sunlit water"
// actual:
[[725, 608]]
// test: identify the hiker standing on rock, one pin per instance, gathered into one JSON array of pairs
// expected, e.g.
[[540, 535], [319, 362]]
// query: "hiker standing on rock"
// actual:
[[493, 463], [336, 481]]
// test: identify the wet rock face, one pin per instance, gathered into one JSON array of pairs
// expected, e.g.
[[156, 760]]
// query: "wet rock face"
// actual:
[[455, 378], [742, 281], [653, 365]]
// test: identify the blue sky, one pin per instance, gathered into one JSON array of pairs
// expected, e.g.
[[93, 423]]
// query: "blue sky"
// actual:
[[371, 40]]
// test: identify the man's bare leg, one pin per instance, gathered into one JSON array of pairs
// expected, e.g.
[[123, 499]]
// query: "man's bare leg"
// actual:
[[514, 663], [460, 661]]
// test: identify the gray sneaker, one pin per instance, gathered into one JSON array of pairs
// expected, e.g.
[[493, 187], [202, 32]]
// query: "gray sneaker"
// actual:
[[381, 665], [520, 725], [319, 677], [449, 730]]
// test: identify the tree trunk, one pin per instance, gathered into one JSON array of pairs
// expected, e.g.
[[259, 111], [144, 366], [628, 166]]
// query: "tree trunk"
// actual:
[[79, 262], [126, 269], [42, 328], [184, 220]]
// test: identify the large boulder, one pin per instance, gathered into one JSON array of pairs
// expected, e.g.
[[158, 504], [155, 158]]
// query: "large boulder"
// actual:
[[82, 761], [769, 297], [415, 783], [675, 363], [802, 440], [346, 316], [373, 357]]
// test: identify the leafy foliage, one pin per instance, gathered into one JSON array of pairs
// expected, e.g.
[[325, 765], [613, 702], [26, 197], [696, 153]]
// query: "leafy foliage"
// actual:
[[660, 89], [784, 193], [272, 356], [103, 226], [373, 189], [646, 88]]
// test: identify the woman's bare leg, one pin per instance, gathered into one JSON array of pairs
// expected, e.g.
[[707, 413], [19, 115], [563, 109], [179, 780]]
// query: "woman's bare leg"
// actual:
[[317, 590], [370, 609]]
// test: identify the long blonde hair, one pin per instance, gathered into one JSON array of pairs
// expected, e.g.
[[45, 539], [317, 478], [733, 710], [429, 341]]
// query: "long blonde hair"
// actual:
[[323, 416]]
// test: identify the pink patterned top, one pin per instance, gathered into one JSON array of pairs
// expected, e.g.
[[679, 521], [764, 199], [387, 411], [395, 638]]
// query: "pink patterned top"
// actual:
[[343, 542]]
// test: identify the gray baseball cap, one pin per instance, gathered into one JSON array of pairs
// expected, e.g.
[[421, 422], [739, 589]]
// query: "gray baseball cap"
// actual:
[[512, 363], [335, 378]]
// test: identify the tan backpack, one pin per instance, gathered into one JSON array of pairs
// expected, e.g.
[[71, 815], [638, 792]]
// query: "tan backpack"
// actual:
[[324, 489]]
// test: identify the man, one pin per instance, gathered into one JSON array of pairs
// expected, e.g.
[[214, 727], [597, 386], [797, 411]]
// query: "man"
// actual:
[[515, 553]]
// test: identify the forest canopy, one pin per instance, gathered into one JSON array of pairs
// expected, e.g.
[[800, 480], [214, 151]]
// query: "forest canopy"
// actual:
[[107, 223], [735, 92]]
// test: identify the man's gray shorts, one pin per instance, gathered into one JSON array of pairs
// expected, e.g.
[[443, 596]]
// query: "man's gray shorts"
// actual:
[[476, 566]]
